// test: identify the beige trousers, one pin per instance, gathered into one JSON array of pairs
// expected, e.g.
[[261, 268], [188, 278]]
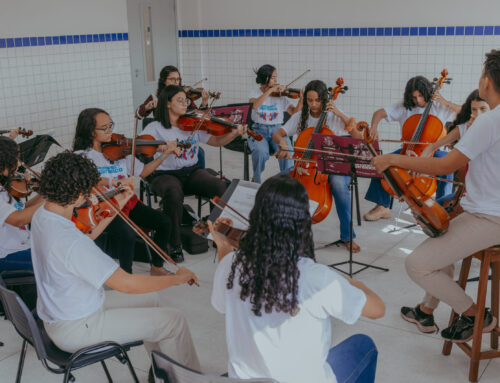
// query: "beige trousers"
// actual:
[[126, 318], [431, 264]]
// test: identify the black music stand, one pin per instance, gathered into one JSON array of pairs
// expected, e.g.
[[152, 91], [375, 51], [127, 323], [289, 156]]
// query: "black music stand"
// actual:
[[357, 163], [34, 150]]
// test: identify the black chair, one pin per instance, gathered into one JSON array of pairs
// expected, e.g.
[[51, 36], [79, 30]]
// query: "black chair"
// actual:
[[54, 359], [168, 370]]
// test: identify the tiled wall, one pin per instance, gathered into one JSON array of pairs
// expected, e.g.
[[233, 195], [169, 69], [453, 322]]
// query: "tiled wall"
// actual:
[[45, 81], [374, 62]]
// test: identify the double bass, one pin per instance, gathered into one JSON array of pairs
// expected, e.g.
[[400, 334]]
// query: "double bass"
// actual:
[[316, 183], [422, 128]]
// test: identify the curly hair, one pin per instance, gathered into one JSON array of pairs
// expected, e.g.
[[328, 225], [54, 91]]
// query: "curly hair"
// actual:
[[66, 176], [162, 109], [492, 68], [279, 234], [466, 110], [421, 84], [264, 74], [9, 155], [85, 128], [319, 87], [164, 73]]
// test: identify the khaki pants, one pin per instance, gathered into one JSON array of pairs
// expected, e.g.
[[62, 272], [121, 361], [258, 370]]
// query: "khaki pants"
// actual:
[[431, 264], [125, 318]]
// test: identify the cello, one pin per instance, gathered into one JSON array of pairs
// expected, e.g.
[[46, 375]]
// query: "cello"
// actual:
[[316, 184], [422, 128]]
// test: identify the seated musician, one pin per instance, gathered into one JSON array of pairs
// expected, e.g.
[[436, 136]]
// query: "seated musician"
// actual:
[[15, 215], [267, 117], [477, 228], [177, 176], [416, 97], [170, 75], [473, 107], [315, 101], [94, 127], [71, 271], [279, 302]]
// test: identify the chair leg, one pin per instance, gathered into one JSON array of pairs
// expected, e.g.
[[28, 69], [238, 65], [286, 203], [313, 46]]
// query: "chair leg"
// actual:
[[106, 371], [199, 206], [130, 367], [495, 296], [462, 281], [21, 362], [479, 322]]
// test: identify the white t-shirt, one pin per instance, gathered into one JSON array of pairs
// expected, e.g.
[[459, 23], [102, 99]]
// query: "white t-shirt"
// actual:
[[272, 109], [12, 238], [333, 122], [277, 345], [112, 169], [189, 157], [400, 114], [70, 269], [481, 144]]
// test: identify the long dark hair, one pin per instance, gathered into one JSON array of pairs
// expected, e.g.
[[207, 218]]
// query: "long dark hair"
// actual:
[[9, 154], [319, 87], [85, 128], [466, 110], [419, 83], [163, 77], [164, 98], [264, 74], [279, 234], [492, 68]]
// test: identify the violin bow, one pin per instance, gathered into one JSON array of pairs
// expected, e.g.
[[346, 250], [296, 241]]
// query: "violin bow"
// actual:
[[132, 170], [199, 82], [219, 203], [298, 78]]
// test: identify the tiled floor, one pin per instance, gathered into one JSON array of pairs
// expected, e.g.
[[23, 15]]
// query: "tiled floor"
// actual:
[[404, 353]]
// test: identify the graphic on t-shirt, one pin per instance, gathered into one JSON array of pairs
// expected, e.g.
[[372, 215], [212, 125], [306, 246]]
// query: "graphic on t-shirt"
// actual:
[[112, 170], [192, 151], [18, 205], [268, 112]]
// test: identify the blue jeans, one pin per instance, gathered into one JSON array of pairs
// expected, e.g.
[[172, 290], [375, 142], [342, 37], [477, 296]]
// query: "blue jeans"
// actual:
[[261, 150], [378, 195], [342, 197], [354, 360], [20, 260]]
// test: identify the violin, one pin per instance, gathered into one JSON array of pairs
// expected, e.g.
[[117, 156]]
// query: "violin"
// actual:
[[288, 92], [22, 187], [119, 147], [216, 126], [196, 93], [316, 184], [430, 215], [423, 128], [89, 214], [21, 131]]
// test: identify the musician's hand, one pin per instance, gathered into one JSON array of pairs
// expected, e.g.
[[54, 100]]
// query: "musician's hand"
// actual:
[[185, 275], [439, 98], [472, 118], [427, 152], [169, 148], [223, 245], [204, 98], [122, 198], [278, 88], [283, 153], [13, 133], [151, 105], [241, 130], [331, 107], [302, 171], [381, 163]]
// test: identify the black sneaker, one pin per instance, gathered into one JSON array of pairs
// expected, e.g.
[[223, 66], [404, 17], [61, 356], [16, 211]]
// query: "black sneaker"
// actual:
[[462, 328], [424, 322], [177, 255]]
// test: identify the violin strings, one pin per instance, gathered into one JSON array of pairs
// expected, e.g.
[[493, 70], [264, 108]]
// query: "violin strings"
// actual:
[[229, 212]]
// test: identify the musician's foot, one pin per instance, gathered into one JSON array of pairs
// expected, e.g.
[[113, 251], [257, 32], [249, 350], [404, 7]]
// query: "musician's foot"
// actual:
[[424, 322], [177, 255], [355, 246], [377, 213], [462, 328], [155, 271]]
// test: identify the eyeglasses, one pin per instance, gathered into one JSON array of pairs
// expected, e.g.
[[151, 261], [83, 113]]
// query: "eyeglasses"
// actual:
[[182, 100], [107, 128], [176, 80]]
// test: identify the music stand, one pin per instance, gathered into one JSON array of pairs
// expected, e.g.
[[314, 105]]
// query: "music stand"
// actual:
[[357, 163], [34, 150], [238, 114]]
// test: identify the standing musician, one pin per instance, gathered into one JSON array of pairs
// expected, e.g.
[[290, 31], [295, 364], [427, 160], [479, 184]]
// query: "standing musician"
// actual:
[[177, 176], [477, 228], [94, 127], [170, 75], [278, 301], [416, 97], [314, 102], [267, 117], [71, 270], [15, 253]]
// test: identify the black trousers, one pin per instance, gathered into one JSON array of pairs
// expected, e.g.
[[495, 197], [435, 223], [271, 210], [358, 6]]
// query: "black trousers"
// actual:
[[121, 239], [173, 185]]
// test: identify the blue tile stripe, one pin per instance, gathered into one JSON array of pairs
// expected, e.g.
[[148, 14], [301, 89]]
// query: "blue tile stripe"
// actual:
[[35, 41], [471, 30]]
